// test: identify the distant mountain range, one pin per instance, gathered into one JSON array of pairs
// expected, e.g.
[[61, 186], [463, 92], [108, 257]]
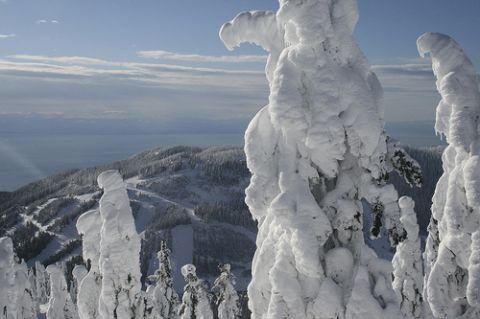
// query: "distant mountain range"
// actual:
[[193, 198]]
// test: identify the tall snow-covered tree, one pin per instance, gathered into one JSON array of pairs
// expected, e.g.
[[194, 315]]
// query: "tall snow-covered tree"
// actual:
[[227, 297], [195, 300], [119, 259], [42, 284], [60, 305], [16, 292], [165, 299], [315, 151], [452, 263], [79, 272], [90, 286], [407, 264]]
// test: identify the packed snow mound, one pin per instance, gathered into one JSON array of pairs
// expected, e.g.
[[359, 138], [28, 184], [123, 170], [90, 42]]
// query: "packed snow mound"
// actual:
[[451, 267]]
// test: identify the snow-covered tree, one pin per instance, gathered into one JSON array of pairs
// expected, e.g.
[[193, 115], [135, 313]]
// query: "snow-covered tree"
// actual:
[[79, 272], [315, 151], [16, 293], [165, 299], [60, 305], [89, 227], [195, 300], [452, 271], [42, 284], [227, 297], [119, 260], [407, 264], [144, 307]]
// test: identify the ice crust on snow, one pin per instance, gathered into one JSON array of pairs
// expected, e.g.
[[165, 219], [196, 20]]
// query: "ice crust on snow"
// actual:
[[451, 254], [315, 151]]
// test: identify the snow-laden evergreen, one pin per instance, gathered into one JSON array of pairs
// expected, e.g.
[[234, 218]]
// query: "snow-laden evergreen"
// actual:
[[42, 284], [227, 297], [89, 226], [315, 151], [452, 279], [16, 292], [164, 298], [60, 305], [195, 299], [79, 272], [407, 264], [119, 261]]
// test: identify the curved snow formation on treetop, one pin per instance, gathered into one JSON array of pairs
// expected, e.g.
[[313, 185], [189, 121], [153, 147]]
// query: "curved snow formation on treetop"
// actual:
[[452, 263], [315, 151], [119, 261]]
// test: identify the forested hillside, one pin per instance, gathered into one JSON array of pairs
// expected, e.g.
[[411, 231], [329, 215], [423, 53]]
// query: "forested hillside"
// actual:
[[193, 198]]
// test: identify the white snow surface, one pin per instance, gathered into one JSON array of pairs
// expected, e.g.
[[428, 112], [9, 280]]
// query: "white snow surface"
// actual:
[[451, 255], [323, 126]]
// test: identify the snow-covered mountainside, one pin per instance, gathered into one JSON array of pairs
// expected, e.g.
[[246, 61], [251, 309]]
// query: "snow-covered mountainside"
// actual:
[[193, 198]]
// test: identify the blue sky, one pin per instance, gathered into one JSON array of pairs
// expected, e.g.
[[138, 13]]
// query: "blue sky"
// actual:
[[114, 69], [86, 59]]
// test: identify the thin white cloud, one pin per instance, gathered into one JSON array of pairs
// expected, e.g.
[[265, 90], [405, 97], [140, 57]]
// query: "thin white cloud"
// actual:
[[156, 89], [82, 69], [91, 87], [44, 21], [7, 36], [59, 59], [166, 55]]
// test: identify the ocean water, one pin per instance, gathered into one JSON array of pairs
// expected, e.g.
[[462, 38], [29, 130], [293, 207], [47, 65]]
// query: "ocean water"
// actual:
[[25, 158]]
